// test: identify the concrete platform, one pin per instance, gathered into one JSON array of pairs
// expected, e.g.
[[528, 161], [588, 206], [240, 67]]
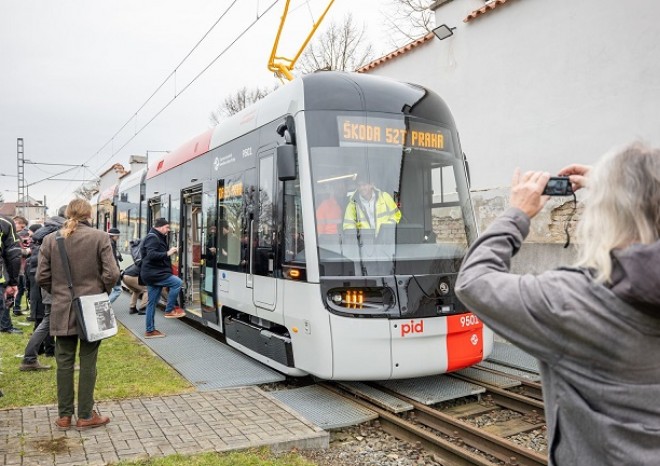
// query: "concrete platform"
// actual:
[[218, 420], [204, 361]]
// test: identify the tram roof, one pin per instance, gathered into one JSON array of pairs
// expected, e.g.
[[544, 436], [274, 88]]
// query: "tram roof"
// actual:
[[132, 180], [330, 90]]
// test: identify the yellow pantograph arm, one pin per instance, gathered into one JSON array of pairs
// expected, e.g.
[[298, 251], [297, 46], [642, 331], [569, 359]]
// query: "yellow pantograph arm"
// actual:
[[283, 66]]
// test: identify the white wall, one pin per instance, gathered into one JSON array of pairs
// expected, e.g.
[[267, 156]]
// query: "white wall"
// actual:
[[543, 83]]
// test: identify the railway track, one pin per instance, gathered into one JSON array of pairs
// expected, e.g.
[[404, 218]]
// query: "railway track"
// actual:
[[453, 433]]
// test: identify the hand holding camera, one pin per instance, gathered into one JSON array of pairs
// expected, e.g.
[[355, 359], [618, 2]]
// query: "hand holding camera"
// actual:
[[577, 174], [527, 191]]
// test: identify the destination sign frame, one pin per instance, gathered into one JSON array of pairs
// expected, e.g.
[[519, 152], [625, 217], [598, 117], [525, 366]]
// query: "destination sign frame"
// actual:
[[365, 130]]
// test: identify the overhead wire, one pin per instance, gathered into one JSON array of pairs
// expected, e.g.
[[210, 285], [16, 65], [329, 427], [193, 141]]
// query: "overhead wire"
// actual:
[[172, 73], [137, 132]]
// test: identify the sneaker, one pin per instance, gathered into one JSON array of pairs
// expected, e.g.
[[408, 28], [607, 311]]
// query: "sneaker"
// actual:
[[95, 421], [63, 423], [30, 319], [154, 334], [12, 330], [141, 312], [175, 313], [33, 366], [132, 310], [18, 312]]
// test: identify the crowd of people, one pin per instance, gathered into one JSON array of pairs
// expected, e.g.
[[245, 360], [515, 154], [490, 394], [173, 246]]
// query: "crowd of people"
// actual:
[[593, 327]]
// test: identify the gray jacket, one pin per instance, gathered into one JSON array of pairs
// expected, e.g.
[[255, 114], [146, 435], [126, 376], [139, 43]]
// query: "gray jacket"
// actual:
[[598, 346]]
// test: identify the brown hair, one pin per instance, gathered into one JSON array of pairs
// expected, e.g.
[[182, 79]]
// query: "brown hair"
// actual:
[[78, 210]]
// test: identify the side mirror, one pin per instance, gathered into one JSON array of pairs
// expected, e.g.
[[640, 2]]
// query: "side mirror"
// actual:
[[286, 162]]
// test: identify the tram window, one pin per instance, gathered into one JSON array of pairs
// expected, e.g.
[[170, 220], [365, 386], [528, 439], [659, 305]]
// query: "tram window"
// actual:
[[265, 227], [294, 238], [446, 213], [230, 215]]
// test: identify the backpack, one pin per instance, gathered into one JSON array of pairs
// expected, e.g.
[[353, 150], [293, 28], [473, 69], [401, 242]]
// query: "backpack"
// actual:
[[136, 250]]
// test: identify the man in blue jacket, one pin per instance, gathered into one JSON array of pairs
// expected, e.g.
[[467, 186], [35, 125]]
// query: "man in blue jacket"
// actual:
[[156, 273]]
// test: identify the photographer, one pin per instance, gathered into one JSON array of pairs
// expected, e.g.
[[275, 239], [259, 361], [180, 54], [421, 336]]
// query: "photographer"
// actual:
[[595, 328]]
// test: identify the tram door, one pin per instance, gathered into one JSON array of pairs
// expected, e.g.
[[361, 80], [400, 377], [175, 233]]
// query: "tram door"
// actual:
[[263, 228], [198, 235], [209, 244]]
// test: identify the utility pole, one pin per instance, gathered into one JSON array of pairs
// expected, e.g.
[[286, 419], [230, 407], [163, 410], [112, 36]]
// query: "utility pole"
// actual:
[[20, 165]]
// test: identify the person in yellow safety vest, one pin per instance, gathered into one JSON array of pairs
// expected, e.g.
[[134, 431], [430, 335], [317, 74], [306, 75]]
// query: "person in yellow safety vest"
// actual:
[[369, 208]]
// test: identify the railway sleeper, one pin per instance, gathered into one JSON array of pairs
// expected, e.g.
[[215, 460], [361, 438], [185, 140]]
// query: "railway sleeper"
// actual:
[[480, 439]]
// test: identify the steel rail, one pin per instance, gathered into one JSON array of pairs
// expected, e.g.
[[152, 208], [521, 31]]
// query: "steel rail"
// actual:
[[451, 454]]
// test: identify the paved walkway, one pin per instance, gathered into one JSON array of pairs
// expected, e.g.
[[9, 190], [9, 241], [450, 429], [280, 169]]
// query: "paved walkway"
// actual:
[[219, 420], [232, 416]]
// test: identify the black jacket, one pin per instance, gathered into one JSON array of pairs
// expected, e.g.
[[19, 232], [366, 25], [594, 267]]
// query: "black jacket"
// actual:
[[10, 253], [50, 226], [156, 265]]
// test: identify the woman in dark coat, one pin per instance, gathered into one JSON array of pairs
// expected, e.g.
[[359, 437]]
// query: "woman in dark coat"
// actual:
[[93, 270]]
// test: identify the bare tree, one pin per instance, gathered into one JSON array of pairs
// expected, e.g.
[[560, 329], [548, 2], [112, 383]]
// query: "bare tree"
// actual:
[[237, 101], [410, 19], [340, 47]]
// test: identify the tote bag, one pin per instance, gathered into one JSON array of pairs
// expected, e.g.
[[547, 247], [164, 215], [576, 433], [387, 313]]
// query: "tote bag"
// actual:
[[95, 317]]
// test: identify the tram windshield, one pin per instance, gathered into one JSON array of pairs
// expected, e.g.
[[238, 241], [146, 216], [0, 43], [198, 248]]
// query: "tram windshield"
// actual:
[[390, 196]]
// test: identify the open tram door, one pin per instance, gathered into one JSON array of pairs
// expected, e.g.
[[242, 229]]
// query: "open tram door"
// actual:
[[199, 242]]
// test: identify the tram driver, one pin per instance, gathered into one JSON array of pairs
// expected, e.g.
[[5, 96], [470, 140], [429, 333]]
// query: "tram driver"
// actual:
[[370, 208]]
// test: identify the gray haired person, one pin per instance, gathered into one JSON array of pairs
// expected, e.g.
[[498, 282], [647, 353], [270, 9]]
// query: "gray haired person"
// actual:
[[594, 327]]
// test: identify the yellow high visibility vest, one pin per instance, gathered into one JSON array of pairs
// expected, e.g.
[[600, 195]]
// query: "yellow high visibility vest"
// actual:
[[387, 211]]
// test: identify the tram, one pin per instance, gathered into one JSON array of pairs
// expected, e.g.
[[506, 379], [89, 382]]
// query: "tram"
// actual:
[[342, 299]]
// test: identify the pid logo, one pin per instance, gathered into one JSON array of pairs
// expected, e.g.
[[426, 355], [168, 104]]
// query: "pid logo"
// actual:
[[412, 328]]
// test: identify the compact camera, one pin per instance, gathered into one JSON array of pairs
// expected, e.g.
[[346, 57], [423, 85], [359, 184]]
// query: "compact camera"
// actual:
[[558, 186]]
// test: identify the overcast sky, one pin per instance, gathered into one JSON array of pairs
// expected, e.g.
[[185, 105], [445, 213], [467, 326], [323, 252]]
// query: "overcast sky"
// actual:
[[75, 71]]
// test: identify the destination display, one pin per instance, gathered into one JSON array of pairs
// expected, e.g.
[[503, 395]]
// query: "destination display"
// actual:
[[355, 130], [231, 190]]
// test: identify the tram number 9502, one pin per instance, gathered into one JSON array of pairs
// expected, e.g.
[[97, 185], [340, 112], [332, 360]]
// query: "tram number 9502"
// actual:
[[469, 320]]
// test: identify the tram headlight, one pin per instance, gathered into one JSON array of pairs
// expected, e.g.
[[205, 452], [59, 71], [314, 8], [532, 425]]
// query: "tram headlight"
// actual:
[[363, 300]]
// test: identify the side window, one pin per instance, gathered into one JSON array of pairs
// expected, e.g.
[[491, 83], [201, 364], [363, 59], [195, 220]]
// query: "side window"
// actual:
[[230, 215], [294, 238], [265, 230], [446, 213]]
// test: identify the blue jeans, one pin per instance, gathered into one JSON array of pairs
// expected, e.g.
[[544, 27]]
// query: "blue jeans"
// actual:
[[5, 319], [174, 284], [115, 293]]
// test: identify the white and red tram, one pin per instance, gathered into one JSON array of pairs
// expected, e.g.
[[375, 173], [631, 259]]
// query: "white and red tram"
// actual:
[[339, 304]]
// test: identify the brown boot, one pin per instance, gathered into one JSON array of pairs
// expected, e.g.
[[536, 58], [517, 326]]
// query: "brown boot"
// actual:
[[95, 421], [63, 423]]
